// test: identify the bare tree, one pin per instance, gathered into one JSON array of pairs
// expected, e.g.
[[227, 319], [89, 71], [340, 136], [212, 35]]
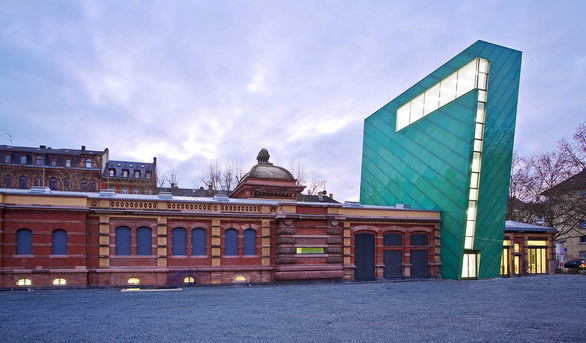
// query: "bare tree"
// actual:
[[297, 172], [231, 175], [317, 184], [166, 178], [574, 152], [172, 178], [537, 189], [212, 177], [519, 205]]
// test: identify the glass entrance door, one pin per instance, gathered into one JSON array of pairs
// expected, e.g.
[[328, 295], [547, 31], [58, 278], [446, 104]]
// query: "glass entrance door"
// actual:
[[537, 260], [505, 262]]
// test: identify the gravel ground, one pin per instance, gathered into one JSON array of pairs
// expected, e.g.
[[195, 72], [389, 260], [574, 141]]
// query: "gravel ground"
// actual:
[[529, 309]]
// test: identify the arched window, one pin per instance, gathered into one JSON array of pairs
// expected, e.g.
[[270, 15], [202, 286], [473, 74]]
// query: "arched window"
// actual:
[[231, 242], [59, 282], [22, 182], [249, 242], [92, 186], [134, 281], [59, 242], [53, 183], [24, 282], [144, 241], [179, 241], [24, 242], [189, 280], [123, 241], [84, 185], [7, 182], [39, 161], [88, 163], [198, 241]]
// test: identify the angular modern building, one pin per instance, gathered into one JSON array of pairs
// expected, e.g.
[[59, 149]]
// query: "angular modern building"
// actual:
[[446, 144]]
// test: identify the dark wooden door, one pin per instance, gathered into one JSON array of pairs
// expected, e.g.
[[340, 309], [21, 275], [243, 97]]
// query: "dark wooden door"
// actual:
[[364, 257], [393, 264], [419, 264]]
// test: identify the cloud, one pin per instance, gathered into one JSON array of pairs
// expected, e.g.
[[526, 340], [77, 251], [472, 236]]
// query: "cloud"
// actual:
[[194, 82]]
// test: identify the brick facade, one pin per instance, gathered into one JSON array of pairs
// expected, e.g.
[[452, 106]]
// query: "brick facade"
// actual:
[[280, 229]]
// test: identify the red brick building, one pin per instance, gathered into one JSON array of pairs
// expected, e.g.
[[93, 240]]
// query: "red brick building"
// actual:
[[265, 235]]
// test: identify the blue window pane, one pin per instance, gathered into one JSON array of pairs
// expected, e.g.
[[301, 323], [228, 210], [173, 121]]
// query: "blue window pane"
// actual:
[[393, 240], [249, 242], [198, 241], [179, 239], [22, 182], [59, 242], [144, 241], [122, 240], [24, 242], [231, 248], [419, 239], [53, 183]]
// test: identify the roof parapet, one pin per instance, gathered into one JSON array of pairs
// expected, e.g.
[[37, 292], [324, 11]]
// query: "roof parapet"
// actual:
[[353, 204]]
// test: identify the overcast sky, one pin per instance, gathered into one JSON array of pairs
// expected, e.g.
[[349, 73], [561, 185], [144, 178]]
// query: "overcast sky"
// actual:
[[192, 82]]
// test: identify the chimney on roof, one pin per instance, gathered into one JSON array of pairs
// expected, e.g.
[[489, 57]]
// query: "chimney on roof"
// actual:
[[331, 196], [83, 148], [42, 146]]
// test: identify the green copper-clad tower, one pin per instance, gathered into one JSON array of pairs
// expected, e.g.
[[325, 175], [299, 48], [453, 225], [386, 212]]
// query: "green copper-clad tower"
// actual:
[[446, 144]]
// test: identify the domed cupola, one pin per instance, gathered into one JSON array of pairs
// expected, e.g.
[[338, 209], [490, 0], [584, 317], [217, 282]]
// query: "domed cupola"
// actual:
[[267, 181]]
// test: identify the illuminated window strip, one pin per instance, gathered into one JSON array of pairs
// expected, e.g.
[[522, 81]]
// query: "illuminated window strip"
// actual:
[[470, 265], [468, 270], [471, 76]]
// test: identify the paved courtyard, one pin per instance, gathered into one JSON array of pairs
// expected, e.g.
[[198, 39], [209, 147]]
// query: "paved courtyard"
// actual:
[[530, 309]]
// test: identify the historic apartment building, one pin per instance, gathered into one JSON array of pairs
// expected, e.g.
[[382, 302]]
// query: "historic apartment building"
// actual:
[[78, 170], [260, 234], [58, 169], [130, 177]]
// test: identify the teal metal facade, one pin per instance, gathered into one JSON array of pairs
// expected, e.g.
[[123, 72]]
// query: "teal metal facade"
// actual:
[[427, 164]]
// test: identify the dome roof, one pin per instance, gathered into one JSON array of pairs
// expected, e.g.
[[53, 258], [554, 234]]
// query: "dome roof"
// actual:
[[266, 170]]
